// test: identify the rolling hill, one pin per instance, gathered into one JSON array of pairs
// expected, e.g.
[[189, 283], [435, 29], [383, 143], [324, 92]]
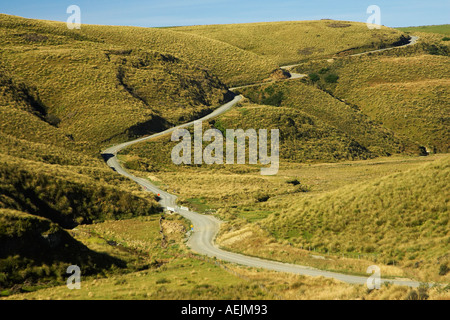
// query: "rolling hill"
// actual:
[[293, 41], [395, 89], [67, 94], [401, 218]]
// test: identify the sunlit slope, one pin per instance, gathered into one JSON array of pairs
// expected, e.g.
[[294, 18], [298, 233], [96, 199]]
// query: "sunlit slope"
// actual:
[[231, 64], [403, 217], [291, 42], [345, 118], [441, 29], [38, 199], [410, 95], [96, 94]]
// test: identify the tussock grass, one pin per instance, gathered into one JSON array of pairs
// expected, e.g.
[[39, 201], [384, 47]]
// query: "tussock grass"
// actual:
[[63, 196], [345, 118], [403, 218], [185, 277], [101, 95], [232, 65], [406, 97], [36, 252], [396, 89], [64, 94], [293, 41]]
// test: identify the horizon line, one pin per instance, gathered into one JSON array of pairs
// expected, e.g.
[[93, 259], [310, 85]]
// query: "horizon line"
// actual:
[[218, 24]]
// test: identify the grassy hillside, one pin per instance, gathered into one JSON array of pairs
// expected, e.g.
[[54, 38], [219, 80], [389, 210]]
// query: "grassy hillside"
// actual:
[[102, 92], [442, 29], [45, 188], [396, 90], [244, 198], [303, 138], [63, 196], [36, 252], [401, 218], [231, 64], [346, 118], [172, 273], [403, 95], [294, 41], [67, 94]]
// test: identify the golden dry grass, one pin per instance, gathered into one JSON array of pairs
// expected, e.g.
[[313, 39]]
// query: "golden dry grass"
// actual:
[[293, 41]]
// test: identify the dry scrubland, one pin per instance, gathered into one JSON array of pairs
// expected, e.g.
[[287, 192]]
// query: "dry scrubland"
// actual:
[[64, 95]]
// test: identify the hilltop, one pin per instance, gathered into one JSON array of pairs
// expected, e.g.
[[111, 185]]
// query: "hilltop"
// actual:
[[294, 41]]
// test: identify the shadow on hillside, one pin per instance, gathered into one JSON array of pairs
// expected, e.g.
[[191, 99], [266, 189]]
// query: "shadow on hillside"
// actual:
[[107, 156]]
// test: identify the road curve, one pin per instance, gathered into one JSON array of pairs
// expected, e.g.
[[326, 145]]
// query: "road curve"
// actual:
[[206, 227], [166, 199], [412, 41]]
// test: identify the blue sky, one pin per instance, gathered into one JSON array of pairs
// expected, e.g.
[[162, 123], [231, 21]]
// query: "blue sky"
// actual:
[[394, 13]]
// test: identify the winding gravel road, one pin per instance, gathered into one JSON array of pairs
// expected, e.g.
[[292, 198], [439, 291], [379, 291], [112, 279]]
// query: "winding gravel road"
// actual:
[[206, 227]]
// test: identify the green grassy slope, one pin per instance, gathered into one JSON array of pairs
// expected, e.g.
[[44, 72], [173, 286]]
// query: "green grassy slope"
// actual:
[[38, 200], [442, 29], [316, 103], [403, 217], [67, 94], [95, 92], [293, 41], [36, 252], [417, 105], [63, 196], [231, 64], [303, 138], [407, 90]]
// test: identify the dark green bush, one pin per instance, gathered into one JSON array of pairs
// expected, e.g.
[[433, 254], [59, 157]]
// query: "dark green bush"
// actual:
[[331, 78], [443, 269], [294, 182], [314, 77]]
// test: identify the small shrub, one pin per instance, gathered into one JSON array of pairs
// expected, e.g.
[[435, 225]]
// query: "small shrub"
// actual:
[[437, 50], [443, 269], [331, 78], [294, 182], [274, 100], [412, 295], [262, 197], [420, 294], [423, 292], [162, 280], [314, 77]]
